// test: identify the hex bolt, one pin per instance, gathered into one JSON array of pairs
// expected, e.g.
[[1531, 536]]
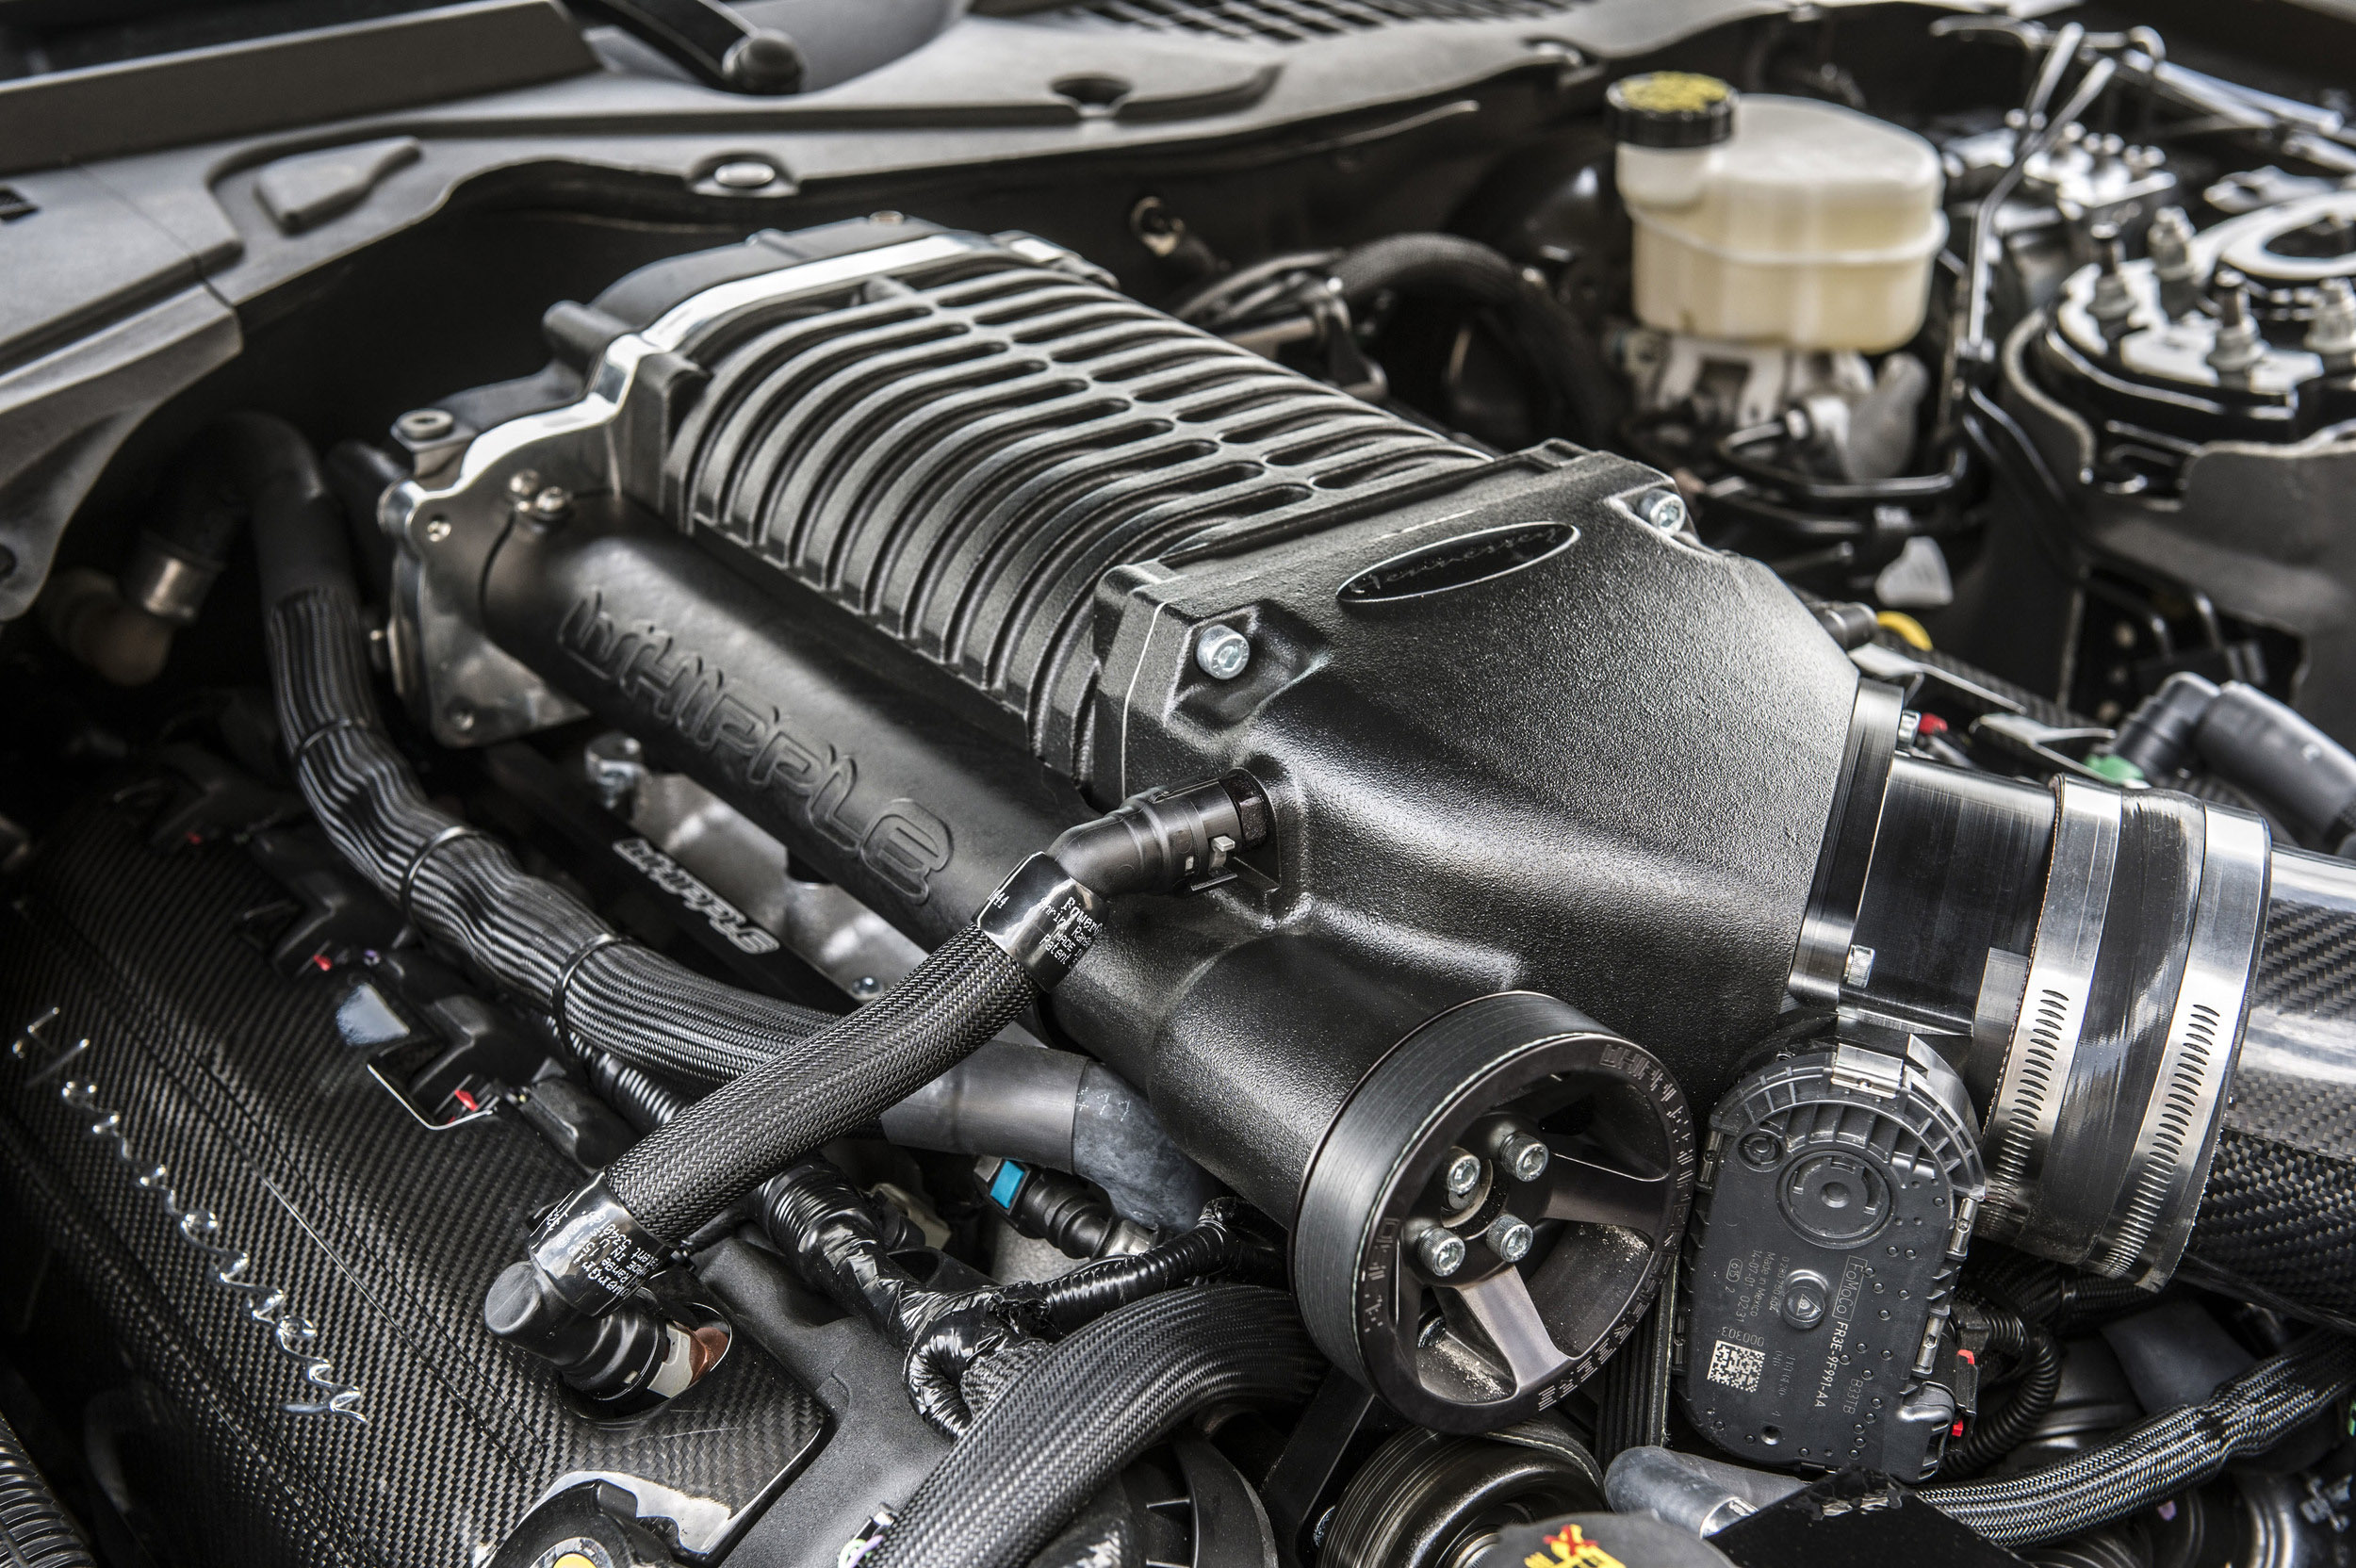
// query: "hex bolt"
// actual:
[[2331, 335], [1221, 652], [2168, 243], [1525, 1156], [1440, 1250], [1510, 1238], [2114, 302], [2238, 346], [425, 424], [1462, 1174], [1662, 509], [552, 506]]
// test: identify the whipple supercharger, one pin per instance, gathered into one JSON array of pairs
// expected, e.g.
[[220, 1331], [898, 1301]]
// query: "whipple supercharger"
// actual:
[[1173, 783]]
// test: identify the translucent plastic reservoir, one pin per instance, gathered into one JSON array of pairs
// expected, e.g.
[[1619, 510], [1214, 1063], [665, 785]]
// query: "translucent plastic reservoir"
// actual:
[[1811, 225]]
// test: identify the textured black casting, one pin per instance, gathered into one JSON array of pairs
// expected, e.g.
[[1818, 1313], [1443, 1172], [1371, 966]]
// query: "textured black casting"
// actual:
[[1089, 1405]]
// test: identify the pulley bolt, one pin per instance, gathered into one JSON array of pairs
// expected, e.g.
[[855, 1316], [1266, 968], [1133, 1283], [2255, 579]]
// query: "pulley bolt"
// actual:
[[1463, 1175], [1221, 652], [1525, 1156], [1510, 1238], [1440, 1250]]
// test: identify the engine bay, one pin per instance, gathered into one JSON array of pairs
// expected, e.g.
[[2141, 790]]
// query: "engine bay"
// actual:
[[1177, 783]]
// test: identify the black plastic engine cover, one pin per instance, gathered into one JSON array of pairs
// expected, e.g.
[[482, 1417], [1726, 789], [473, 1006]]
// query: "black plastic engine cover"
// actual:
[[332, 1397]]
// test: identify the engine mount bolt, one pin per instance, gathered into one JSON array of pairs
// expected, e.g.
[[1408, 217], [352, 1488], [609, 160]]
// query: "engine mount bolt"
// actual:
[[425, 424], [1510, 1238], [1525, 1156], [1440, 1250], [1221, 652], [1662, 509], [1462, 1175]]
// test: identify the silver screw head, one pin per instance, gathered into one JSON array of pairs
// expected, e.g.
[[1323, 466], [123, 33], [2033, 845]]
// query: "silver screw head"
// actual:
[[1462, 1174], [523, 485], [1525, 1155], [552, 504], [1221, 652], [1662, 509], [436, 529], [865, 987], [744, 174], [1440, 1250], [1510, 1238]]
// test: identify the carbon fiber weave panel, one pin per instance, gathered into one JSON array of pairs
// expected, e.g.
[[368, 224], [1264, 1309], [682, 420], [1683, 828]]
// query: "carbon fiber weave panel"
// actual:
[[354, 1220]]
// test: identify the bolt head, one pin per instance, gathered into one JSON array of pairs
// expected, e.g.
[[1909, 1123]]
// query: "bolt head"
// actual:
[[436, 529], [1441, 1251], [552, 504], [461, 717], [865, 985], [744, 174], [1462, 1174], [1663, 510], [1221, 652], [523, 485], [1510, 1238], [1525, 1156], [425, 424]]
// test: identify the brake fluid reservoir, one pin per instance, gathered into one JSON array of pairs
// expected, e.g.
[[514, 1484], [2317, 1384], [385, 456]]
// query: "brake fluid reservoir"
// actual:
[[1777, 220]]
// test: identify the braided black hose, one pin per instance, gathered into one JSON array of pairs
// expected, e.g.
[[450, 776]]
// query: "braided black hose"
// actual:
[[35, 1532], [1087, 1407], [674, 1179], [459, 886], [2165, 1455]]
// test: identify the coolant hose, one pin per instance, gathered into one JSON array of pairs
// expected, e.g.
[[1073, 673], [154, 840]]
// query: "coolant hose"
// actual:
[[2300, 776], [2164, 1455], [1089, 1405], [1448, 265], [35, 1532]]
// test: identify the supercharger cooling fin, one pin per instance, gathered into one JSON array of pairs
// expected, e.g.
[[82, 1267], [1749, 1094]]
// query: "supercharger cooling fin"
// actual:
[[959, 454]]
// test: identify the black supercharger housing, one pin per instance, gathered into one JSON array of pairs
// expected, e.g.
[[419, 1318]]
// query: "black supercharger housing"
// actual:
[[1519, 731]]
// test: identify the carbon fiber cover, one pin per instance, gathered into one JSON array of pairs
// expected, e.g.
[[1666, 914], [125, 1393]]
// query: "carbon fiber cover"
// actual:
[[288, 1254]]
